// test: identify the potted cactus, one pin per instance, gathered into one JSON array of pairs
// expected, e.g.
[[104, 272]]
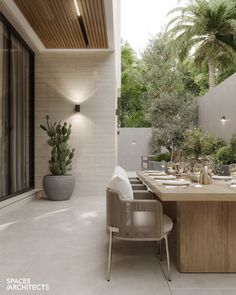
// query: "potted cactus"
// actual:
[[59, 185]]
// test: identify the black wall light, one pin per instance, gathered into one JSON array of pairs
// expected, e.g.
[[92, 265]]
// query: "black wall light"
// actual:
[[223, 119], [77, 108]]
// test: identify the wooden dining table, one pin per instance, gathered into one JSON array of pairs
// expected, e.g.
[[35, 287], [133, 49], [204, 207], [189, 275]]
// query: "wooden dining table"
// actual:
[[205, 221]]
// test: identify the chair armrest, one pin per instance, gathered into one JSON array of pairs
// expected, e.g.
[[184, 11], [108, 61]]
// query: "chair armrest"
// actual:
[[136, 219], [140, 205], [143, 195]]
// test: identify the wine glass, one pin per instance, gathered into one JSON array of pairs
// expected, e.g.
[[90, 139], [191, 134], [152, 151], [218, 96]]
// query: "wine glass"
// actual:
[[170, 166], [163, 165], [181, 166], [232, 170], [188, 167], [197, 169], [211, 166]]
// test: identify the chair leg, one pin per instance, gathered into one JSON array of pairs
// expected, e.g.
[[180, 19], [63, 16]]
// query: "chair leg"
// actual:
[[167, 257], [160, 249], [109, 255]]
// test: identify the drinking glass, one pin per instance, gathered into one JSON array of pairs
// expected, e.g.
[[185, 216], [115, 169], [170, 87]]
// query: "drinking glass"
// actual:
[[232, 170], [211, 167], [170, 166], [163, 165], [197, 169], [188, 167], [181, 166]]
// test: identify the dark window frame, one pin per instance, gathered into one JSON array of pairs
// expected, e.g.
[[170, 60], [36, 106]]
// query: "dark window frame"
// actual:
[[13, 31]]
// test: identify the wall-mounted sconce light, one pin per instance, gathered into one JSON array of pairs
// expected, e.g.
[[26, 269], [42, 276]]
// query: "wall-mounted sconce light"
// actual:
[[222, 119], [134, 142], [77, 108]]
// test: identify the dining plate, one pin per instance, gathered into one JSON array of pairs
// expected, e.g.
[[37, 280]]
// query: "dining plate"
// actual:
[[221, 177], [164, 177], [176, 182], [156, 174], [153, 171]]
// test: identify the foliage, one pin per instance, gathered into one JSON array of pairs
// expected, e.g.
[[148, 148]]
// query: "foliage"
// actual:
[[197, 144], [197, 50], [193, 142], [61, 154], [163, 157], [199, 76], [224, 73], [163, 74], [224, 155], [211, 143], [171, 115], [131, 105], [233, 145], [227, 154], [208, 28]]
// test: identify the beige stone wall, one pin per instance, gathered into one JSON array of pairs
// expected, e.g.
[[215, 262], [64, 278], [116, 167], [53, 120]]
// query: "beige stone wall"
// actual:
[[218, 102], [69, 78]]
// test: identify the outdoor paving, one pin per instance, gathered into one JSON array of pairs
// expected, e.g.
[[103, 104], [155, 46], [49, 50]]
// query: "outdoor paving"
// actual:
[[64, 245]]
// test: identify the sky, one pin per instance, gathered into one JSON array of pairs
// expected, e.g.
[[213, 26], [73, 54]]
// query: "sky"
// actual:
[[143, 19]]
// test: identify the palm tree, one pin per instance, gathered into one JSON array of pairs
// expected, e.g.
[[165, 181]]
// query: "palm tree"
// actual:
[[206, 29]]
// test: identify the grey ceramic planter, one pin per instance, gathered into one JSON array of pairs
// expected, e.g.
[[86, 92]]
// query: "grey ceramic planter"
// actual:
[[58, 187]]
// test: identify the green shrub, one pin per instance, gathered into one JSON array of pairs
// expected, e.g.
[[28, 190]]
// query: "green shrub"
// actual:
[[198, 144], [193, 142], [233, 145], [211, 144], [225, 156], [163, 157]]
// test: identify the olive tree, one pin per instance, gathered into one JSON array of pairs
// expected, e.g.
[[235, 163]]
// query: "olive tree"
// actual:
[[171, 115]]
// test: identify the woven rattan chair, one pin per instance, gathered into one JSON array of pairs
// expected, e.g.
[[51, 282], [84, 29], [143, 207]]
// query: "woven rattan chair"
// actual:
[[141, 219], [138, 186], [134, 180]]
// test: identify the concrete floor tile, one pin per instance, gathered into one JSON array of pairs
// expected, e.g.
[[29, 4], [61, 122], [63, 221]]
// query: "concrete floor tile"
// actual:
[[64, 244]]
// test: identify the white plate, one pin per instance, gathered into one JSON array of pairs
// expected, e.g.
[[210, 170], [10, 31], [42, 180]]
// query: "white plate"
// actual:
[[153, 175], [153, 171], [176, 182], [221, 177], [165, 177]]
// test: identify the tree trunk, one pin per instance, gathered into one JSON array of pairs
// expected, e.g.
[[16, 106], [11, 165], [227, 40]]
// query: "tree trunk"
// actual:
[[212, 73]]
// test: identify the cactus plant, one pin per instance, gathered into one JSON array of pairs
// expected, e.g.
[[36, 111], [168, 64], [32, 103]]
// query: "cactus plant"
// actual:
[[61, 154]]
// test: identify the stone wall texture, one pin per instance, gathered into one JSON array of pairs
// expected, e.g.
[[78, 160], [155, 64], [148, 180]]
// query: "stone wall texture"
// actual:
[[64, 79]]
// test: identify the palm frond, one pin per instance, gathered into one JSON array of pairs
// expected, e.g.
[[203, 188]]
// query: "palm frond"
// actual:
[[195, 25]]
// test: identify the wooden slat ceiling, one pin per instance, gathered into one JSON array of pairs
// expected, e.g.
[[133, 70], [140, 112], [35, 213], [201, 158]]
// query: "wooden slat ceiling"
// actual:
[[57, 24]]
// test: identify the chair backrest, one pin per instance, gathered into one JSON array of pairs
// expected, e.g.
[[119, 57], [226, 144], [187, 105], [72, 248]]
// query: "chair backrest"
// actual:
[[145, 160], [136, 220]]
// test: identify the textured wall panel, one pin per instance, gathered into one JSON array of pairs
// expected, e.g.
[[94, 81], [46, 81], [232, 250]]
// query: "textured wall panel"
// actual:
[[88, 79]]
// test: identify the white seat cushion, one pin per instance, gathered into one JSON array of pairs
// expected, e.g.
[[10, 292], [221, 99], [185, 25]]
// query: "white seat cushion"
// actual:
[[167, 223], [121, 184]]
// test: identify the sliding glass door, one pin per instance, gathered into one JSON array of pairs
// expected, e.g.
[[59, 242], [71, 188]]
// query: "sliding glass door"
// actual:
[[4, 110], [16, 113]]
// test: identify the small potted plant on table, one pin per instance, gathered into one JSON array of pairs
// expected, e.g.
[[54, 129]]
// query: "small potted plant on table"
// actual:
[[59, 185]]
